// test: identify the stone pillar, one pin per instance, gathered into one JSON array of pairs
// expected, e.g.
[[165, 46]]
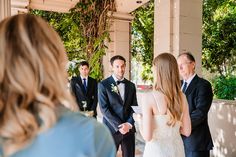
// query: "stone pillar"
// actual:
[[18, 7], [178, 28], [5, 9], [120, 42]]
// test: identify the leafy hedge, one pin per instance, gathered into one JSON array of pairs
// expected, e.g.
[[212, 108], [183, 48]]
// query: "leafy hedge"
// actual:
[[224, 87]]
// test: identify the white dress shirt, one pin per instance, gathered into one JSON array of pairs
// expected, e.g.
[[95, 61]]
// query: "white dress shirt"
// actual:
[[121, 87], [189, 80]]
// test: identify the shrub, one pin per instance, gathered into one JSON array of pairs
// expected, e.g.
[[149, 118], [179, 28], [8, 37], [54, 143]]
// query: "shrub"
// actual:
[[224, 87]]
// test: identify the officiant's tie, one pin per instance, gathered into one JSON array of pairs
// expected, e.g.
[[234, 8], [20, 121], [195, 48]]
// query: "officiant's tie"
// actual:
[[85, 85], [184, 87]]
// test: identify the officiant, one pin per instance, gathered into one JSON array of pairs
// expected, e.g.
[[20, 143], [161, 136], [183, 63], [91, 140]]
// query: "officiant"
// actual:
[[199, 94], [84, 89]]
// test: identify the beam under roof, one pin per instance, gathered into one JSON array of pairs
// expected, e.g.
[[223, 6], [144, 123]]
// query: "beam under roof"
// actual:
[[53, 5], [124, 6]]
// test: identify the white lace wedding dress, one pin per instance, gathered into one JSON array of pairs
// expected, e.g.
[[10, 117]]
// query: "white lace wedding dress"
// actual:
[[166, 140]]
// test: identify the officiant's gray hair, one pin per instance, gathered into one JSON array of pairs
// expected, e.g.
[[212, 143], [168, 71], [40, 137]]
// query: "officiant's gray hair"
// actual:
[[189, 56]]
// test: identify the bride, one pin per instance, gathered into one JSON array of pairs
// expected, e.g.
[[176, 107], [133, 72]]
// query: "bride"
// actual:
[[164, 111]]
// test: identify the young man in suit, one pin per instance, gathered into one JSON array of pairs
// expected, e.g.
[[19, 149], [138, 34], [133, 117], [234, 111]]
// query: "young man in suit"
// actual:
[[116, 95], [85, 89], [199, 95]]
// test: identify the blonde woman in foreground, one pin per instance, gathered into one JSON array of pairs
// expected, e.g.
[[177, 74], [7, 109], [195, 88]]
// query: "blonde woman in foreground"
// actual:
[[164, 111], [33, 93]]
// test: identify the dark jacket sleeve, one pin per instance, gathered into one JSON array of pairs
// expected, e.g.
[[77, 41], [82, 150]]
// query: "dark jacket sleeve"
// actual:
[[203, 100], [95, 100], [106, 109], [72, 85], [134, 103]]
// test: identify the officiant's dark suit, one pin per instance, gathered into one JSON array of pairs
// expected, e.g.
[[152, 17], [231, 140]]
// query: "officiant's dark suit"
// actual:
[[199, 96], [116, 108], [85, 93]]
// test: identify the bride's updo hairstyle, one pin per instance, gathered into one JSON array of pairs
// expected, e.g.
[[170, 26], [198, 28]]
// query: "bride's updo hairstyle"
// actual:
[[32, 80], [167, 81]]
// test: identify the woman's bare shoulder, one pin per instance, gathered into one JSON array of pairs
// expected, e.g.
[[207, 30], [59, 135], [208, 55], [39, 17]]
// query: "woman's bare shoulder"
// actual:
[[145, 97]]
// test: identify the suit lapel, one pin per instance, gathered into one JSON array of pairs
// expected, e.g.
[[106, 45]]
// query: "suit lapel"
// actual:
[[88, 84], [112, 81], [126, 90], [192, 85], [81, 85]]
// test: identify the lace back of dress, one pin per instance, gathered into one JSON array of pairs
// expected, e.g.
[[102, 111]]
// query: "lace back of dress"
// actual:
[[161, 129]]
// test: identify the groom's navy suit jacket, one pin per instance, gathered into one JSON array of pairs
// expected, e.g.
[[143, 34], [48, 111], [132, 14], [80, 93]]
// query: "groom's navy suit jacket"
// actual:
[[116, 111], [199, 96]]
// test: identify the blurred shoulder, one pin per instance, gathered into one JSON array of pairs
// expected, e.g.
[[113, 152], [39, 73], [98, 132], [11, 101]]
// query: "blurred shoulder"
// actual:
[[77, 119], [145, 96], [203, 83], [105, 81], [92, 79], [75, 79], [130, 84]]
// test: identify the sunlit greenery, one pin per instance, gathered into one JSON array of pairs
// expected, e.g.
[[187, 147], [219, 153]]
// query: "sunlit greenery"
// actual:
[[84, 31], [219, 36], [143, 38]]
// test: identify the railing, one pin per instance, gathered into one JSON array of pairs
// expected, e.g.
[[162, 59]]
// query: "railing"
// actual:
[[222, 122]]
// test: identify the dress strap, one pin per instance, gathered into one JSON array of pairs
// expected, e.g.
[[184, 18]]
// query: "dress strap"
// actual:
[[156, 102]]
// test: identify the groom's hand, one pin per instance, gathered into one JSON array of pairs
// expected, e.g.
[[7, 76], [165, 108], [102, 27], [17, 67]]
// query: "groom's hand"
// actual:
[[124, 128]]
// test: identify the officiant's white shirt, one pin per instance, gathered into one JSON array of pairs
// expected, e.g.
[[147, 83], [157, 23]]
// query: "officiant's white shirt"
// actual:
[[188, 81]]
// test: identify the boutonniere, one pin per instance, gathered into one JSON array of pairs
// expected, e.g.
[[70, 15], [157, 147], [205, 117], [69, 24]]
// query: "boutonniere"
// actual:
[[84, 103], [114, 88]]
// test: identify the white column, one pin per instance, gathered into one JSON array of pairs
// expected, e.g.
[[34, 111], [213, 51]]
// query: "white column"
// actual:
[[18, 7], [5, 9], [178, 28], [120, 42]]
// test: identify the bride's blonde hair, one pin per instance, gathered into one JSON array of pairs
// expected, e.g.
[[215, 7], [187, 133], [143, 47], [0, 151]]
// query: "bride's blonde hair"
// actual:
[[167, 81], [32, 79]]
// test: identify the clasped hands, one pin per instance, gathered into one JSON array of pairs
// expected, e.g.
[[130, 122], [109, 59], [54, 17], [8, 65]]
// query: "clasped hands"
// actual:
[[124, 128]]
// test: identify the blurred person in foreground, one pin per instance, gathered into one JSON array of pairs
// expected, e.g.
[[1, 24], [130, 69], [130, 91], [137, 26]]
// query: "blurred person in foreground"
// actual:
[[34, 121], [199, 95], [164, 111]]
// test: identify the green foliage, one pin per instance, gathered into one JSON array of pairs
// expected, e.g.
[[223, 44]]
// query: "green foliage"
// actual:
[[143, 37], [225, 87], [219, 36], [84, 31]]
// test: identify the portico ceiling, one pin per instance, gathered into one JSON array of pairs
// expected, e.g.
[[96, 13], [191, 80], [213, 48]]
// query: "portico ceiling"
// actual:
[[124, 6]]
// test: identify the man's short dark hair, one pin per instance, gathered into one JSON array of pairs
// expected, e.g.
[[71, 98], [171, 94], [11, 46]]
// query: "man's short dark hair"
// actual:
[[188, 55], [117, 57], [82, 63]]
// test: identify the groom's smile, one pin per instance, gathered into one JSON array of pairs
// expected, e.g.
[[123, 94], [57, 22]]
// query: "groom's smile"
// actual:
[[118, 68]]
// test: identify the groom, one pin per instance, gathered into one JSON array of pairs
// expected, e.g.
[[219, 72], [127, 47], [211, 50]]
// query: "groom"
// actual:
[[116, 95]]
